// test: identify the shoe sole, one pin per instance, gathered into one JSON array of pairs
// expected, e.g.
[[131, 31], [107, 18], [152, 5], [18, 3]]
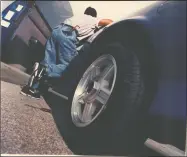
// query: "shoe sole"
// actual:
[[23, 93], [33, 97], [29, 96]]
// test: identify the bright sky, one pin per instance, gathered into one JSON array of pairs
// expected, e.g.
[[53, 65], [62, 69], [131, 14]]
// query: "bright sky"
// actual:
[[110, 9]]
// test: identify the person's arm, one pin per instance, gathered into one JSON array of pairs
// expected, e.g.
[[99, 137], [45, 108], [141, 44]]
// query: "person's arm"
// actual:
[[104, 22]]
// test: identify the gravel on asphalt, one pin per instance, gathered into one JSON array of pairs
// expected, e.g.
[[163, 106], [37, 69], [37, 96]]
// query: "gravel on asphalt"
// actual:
[[27, 126]]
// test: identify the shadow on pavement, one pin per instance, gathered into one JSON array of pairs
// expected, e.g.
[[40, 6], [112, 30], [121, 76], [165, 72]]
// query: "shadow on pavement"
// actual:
[[42, 109], [13, 75]]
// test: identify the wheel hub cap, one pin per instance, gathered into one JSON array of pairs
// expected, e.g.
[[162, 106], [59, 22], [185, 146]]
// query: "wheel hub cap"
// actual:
[[93, 91]]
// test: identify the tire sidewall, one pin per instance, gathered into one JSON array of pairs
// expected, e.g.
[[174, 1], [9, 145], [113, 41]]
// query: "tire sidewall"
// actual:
[[118, 114]]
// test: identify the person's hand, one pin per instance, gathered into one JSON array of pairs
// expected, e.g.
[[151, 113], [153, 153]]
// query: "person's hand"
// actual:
[[104, 22]]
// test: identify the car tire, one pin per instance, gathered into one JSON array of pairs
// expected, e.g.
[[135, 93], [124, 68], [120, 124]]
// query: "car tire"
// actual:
[[119, 130]]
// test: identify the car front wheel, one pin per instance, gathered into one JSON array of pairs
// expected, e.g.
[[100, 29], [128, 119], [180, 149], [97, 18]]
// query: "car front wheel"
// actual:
[[102, 114]]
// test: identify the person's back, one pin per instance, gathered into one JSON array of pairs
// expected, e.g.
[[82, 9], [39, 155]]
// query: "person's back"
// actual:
[[84, 24]]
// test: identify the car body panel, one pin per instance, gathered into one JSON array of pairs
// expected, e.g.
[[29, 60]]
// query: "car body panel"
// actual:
[[11, 6], [167, 31], [165, 23]]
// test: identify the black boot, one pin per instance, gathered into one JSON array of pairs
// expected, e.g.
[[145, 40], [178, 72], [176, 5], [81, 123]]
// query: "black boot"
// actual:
[[38, 76], [29, 91]]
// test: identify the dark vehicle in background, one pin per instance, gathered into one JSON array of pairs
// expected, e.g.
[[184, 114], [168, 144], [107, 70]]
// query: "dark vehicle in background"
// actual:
[[127, 84], [25, 28]]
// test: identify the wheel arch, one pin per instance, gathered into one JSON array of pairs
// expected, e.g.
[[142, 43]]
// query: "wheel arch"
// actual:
[[134, 33]]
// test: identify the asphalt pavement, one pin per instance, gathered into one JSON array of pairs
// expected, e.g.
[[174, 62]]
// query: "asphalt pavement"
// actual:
[[27, 126]]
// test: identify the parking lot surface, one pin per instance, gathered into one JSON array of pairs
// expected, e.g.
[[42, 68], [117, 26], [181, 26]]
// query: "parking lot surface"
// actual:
[[27, 126]]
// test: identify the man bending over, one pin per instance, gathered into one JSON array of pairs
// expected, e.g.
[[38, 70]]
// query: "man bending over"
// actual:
[[61, 48]]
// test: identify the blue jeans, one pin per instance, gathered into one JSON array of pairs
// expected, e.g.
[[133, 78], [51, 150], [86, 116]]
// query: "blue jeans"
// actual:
[[59, 51]]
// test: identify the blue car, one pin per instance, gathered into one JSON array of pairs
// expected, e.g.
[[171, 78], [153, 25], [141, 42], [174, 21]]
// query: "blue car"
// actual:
[[127, 84]]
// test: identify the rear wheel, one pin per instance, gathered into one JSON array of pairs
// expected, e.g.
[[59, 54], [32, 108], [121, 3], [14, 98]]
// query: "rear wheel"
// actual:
[[102, 115]]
